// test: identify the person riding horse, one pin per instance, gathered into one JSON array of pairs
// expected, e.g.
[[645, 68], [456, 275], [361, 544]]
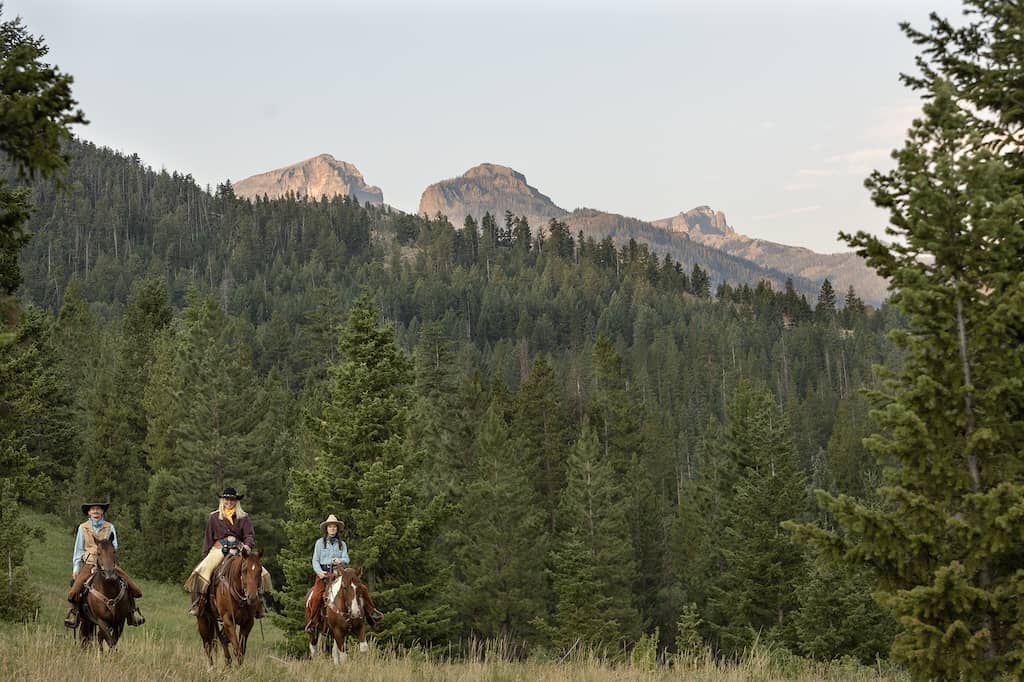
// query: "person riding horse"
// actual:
[[226, 526], [328, 551], [91, 533]]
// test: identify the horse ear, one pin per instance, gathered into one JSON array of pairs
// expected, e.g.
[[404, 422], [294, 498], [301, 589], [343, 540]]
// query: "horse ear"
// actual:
[[359, 571], [260, 553]]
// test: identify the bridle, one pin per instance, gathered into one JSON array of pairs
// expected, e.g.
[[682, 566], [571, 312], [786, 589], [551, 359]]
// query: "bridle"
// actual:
[[242, 597]]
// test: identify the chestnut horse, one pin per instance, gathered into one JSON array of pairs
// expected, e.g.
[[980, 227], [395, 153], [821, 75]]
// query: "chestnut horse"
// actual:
[[233, 600], [106, 604], [345, 614]]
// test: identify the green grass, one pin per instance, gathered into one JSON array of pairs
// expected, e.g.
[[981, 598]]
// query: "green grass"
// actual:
[[168, 647]]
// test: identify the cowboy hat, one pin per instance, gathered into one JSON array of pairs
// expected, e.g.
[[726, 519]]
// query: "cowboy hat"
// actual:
[[89, 505], [230, 494], [332, 519]]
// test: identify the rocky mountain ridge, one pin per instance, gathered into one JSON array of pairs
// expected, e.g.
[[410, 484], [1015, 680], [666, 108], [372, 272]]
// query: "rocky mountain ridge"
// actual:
[[495, 189], [316, 177]]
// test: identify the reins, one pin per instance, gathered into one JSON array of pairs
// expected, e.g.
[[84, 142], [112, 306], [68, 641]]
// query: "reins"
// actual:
[[225, 578]]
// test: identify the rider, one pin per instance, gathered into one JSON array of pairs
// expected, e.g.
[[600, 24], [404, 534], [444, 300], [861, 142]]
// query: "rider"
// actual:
[[91, 533], [328, 550], [226, 524]]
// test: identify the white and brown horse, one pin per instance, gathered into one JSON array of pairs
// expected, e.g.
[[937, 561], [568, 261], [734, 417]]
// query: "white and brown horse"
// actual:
[[346, 614]]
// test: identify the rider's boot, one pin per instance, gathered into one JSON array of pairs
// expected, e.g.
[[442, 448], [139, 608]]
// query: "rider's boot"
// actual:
[[71, 620], [198, 599], [135, 617]]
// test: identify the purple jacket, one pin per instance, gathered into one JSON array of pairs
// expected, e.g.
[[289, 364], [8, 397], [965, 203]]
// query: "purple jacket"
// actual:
[[218, 528]]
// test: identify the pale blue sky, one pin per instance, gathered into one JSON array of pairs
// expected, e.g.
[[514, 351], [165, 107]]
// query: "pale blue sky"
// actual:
[[771, 112]]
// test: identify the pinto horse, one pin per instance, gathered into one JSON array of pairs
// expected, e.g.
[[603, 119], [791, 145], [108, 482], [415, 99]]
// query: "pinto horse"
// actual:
[[346, 614], [234, 599], [106, 604]]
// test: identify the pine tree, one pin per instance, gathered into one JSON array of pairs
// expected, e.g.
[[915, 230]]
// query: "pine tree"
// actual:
[[593, 564], [759, 562], [361, 471], [501, 528], [542, 429], [35, 121], [944, 544]]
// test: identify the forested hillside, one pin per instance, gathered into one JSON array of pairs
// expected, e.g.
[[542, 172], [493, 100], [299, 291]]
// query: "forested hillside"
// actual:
[[527, 436]]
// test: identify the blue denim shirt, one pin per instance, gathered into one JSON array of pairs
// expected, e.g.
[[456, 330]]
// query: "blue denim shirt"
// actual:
[[335, 549], [76, 558]]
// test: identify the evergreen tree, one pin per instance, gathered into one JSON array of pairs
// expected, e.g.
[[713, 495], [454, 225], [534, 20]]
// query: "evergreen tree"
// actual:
[[944, 543], [501, 526], [542, 429], [759, 562], [361, 470], [825, 311], [35, 119], [593, 565]]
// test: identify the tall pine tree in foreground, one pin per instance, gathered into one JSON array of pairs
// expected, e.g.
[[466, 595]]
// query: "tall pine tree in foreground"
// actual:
[[946, 544], [361, 470]]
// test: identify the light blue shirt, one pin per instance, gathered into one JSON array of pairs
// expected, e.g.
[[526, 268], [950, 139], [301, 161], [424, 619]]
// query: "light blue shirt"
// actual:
[[335, 549], [76, 558]]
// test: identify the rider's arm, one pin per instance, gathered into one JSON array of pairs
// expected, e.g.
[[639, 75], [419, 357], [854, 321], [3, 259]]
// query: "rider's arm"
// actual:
[[76, 558], [248, 532], [344, 553], [316, 558], [209, 540]]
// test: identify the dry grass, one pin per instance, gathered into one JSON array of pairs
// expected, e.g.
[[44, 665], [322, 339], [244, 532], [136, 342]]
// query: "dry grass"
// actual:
[[41, 654], [168, 648]]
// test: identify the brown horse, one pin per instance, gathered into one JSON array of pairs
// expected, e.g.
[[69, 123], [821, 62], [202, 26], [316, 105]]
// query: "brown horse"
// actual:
[[233, 600], [346, 614], [106, 604]]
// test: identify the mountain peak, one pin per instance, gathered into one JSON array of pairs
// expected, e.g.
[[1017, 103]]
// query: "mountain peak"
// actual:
[[488, 188], [315, 177], [700, 223]]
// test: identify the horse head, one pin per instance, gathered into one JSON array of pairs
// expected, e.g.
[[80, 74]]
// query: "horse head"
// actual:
[[250, 574], [350, 589], [106, 559]]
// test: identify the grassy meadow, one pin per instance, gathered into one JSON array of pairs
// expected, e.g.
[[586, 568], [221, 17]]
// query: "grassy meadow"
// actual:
[[168, 647]]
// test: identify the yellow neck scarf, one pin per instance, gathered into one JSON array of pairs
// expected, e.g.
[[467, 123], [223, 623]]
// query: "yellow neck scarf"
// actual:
[[229, 514]]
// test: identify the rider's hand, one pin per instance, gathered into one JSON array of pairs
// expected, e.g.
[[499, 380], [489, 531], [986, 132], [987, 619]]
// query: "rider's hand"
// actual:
[[246, 548]]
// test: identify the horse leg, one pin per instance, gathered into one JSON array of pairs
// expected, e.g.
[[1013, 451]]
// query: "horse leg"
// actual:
[[246, 629], [85, 631], [360, 634], [338, 653], [314, 637], [207, 635], [228, 621]]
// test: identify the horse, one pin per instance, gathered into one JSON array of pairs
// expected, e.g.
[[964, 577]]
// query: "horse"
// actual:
[[233, 600], [346, 614], [106, 604]]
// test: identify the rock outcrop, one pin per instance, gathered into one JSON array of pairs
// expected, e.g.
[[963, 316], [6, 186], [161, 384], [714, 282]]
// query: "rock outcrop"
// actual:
[[488, 188], [317, 177], [710, 228]]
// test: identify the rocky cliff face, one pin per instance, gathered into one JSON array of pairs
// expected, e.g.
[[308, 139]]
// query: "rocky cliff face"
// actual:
[[317, 177], [488, 188], [710, 228]]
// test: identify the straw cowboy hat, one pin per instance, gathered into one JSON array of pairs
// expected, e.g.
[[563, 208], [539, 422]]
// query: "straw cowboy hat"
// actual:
[[332, 519]]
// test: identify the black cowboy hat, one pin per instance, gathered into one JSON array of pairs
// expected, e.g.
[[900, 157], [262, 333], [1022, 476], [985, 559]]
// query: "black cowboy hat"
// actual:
[[230, 494], [89, 505]]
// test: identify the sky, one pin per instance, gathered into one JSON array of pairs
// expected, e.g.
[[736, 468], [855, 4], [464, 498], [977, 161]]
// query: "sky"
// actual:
[[772, 112]]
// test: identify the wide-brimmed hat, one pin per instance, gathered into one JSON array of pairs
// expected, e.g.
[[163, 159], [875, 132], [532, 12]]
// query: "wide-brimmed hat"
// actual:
[[332, 519], [230, 494], [89, 505]]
